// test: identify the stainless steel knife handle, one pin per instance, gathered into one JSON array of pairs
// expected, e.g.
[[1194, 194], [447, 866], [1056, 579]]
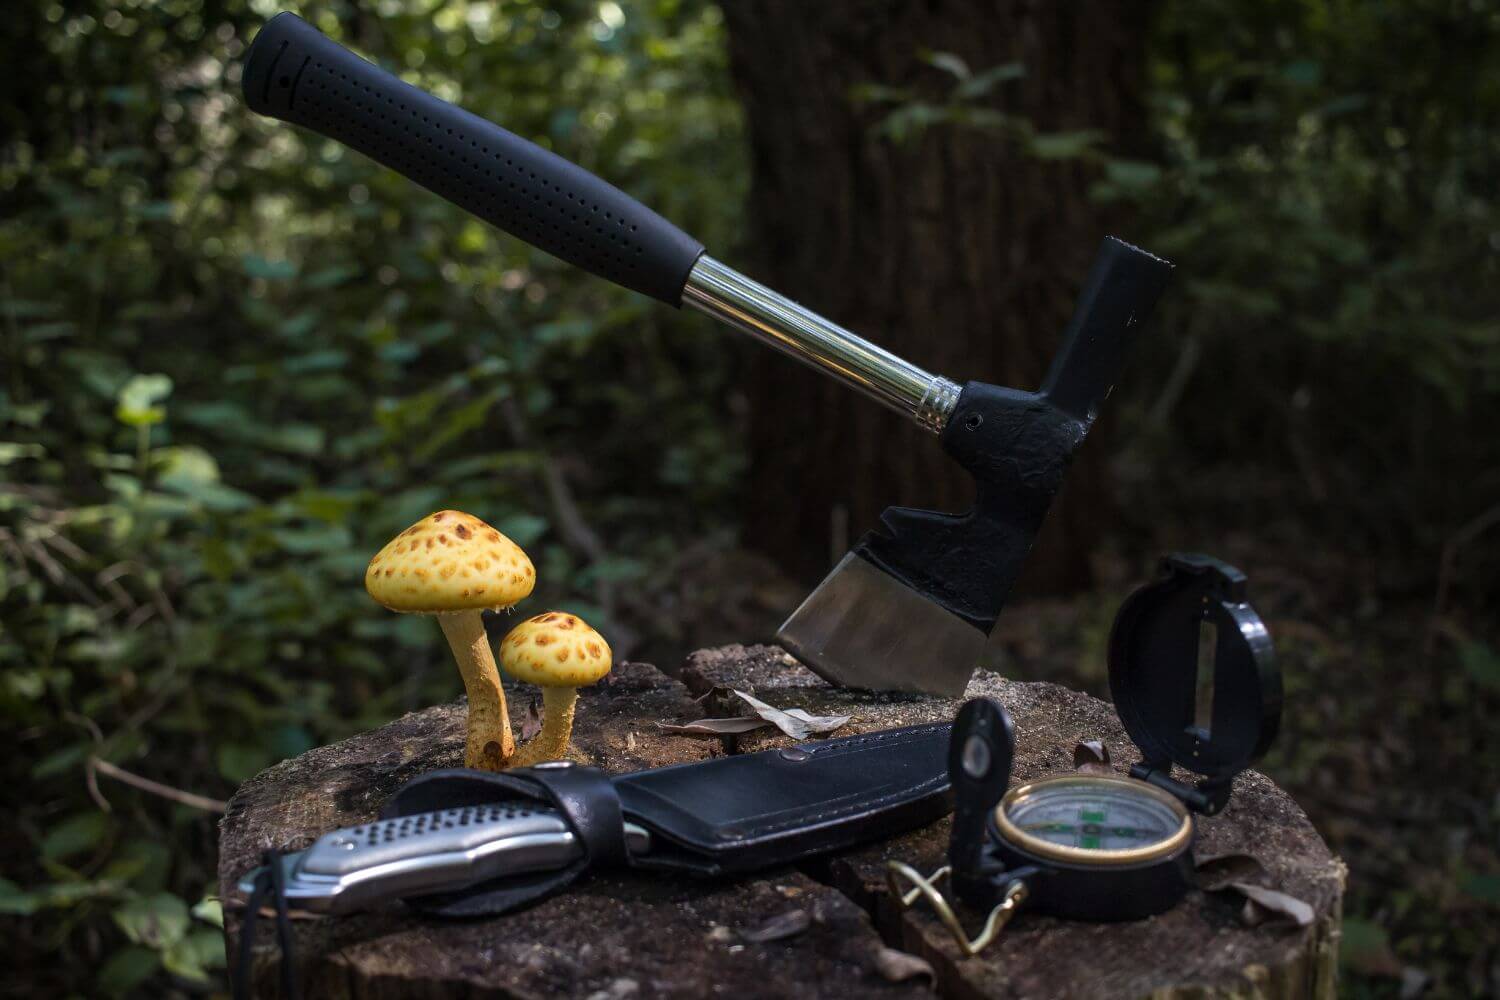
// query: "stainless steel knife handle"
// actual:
[[295, 73], [353, 868]]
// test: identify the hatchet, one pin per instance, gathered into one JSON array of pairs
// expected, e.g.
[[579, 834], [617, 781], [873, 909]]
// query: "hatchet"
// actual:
[[911, 605]]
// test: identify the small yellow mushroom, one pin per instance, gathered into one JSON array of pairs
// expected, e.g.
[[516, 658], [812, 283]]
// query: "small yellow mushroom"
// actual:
[[453, 565], [560, 653]]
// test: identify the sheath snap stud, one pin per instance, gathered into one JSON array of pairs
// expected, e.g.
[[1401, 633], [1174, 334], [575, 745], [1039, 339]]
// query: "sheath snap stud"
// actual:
[[794, 754]]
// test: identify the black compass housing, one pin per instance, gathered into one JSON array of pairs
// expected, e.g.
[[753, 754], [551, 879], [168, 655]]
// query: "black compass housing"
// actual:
[[1154, 672]]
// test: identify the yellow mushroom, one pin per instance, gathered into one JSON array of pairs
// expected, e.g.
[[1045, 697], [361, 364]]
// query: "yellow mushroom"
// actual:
[[453, 565], [560, 653]]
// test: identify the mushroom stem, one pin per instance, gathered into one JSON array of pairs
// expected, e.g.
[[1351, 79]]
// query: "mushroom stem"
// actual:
[[489, 744], [557, 725]]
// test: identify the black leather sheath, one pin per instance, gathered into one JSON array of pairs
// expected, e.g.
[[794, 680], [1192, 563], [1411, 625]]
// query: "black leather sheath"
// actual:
[[714, 817]]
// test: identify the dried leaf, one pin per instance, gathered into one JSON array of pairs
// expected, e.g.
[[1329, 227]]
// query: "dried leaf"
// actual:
[[795, 722], [236, 905], [532, 723], [714, 727], [898, 966], [1092, 757], [1219, 871], [788, 924], [716, 691], [1261, 901]]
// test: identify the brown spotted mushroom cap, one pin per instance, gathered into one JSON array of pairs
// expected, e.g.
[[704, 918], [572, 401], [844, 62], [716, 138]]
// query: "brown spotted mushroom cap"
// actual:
[[449, 561], [555, 650]]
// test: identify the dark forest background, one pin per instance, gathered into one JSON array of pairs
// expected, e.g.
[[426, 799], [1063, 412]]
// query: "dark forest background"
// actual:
[[235, 359]]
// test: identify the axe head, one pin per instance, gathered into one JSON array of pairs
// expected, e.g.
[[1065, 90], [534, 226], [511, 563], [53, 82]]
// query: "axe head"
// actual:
[[911, 606]]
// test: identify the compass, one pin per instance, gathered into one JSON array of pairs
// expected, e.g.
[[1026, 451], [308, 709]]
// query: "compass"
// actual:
[[1195, 682]]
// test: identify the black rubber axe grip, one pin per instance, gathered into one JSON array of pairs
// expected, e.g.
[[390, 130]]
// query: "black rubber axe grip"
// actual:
[[1017, 446], [295, 73]]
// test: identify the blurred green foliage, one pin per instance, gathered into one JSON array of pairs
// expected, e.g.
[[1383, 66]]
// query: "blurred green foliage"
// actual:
[[235, 359], [1325, 173], [238, 358]]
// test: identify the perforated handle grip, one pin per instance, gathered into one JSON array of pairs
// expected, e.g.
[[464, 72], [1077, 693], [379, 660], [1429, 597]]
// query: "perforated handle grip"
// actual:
[[297, 74]]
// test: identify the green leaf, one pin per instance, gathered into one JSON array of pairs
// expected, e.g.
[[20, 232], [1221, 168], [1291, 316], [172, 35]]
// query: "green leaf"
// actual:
[[136, 403], [16, 901], [127, 968], [616, 569], [316, 361], [523, 529], [948, 62], [299, 439], [982, 83], [238, 761], [911, 120], [1366, 948], [288, 741], [1302, 73], [130, 96], [314, 538], [195, 954], [1484, 887], [155, 921], [192, 472], [329, 277], [1132, 173], [1482, 663], [210, 910], [1064, 145], [875, 93], [11, 451], [186, 466], [60, 761], [143, 863], [272, 270], [74, 835]]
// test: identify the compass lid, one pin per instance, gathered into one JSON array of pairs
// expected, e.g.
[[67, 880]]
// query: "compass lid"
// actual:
[[1193, 674]]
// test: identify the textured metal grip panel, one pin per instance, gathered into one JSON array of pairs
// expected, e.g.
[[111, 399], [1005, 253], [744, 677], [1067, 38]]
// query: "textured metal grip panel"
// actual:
[[295, 73], [425, 834]]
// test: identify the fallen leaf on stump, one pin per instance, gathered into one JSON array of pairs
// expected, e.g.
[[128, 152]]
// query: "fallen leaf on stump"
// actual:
[[1216, 873], [1261, 902], [897, 966], [532, 723], [1240, 873], [795, 722], [1092, 757], [788, 924], [714, 727]]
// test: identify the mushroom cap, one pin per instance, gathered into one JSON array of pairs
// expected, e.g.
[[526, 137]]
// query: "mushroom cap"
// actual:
[[449, 561], [555, 649]]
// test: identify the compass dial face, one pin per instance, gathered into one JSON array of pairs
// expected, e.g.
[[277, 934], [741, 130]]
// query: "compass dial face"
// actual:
[[1094, 819]]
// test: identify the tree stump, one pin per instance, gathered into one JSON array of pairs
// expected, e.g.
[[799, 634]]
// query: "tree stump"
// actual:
[[622, 935]]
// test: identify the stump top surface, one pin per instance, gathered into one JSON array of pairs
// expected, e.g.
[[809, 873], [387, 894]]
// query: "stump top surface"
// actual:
[[628, 934]]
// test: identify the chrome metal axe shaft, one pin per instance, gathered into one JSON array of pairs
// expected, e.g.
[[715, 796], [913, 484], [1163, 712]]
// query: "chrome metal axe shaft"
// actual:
[[910, 605]]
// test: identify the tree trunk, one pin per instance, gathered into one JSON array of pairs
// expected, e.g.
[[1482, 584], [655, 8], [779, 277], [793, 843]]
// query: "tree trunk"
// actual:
[[954, 248]]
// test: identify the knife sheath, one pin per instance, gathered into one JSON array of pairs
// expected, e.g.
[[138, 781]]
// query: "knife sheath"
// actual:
[[722, 816]]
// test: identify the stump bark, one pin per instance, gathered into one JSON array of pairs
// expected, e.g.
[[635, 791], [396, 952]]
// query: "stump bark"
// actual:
[[624, 934]]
